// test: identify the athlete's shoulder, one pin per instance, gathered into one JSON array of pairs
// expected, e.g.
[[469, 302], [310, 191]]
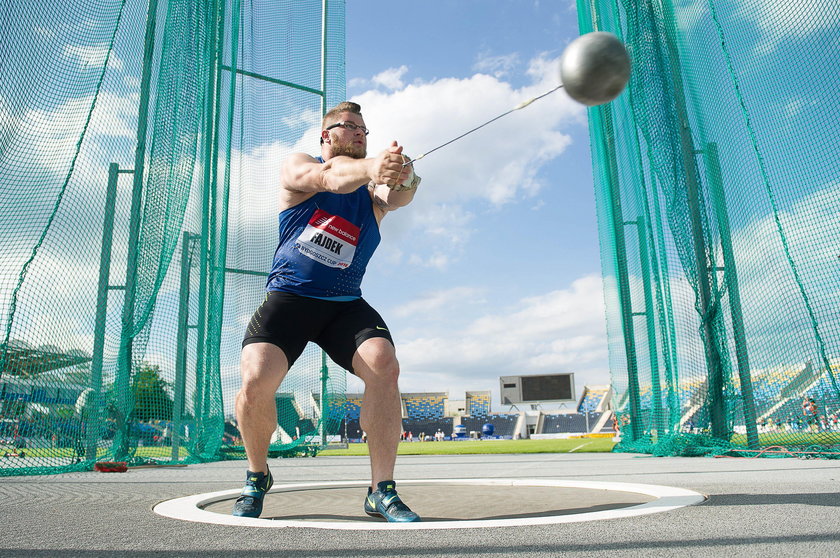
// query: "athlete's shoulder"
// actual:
[[300, 177], [301, 158]]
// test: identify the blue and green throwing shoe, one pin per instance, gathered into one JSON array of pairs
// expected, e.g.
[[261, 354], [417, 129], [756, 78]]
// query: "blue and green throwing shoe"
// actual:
[[250, 502], [386, 503]]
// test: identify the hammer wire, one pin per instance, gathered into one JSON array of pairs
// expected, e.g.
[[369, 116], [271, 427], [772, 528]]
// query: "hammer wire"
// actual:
[[517, 107]]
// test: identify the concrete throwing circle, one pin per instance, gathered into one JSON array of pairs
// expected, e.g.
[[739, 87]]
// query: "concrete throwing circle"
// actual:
[[442, 503]]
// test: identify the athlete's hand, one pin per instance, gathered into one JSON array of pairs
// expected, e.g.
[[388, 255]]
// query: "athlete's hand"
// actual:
[[387, 167], [411, 181]]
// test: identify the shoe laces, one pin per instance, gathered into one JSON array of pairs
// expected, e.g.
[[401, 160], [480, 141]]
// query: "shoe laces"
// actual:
[[254, 484]]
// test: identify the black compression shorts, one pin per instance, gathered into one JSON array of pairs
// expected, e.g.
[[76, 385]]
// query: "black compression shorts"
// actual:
[[290, 321]]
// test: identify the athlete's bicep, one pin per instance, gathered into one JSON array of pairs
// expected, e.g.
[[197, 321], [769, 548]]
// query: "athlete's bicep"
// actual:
[[302, 173]]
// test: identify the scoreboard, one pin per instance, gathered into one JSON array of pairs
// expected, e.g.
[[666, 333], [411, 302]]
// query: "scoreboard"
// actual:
[[544, 388]]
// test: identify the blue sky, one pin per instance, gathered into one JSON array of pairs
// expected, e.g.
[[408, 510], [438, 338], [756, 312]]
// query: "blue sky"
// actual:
[[495, 269]]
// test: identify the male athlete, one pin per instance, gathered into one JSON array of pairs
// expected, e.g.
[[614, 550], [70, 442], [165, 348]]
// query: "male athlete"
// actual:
[[330, 210]]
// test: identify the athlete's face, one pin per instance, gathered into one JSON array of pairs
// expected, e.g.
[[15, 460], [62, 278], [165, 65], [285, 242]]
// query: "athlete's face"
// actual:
[[350, 143]]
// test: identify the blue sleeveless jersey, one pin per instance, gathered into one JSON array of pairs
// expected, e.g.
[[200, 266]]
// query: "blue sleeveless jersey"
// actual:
[[325, 245]]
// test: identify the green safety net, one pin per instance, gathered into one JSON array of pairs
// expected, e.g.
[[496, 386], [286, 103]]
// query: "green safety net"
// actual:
[[140, 145], [716, 177]]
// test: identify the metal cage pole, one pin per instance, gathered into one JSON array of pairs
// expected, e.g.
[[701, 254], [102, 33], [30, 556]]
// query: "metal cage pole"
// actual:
[[181, 354], [715, 176], [622, 273], [95, 419], [709, 310], [124, 360], [210, 129], [651, 263], [325, 372], [604, 118], [650, 325]]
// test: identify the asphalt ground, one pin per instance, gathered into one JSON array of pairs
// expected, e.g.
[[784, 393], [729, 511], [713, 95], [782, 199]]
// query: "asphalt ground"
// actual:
[[755, 507]]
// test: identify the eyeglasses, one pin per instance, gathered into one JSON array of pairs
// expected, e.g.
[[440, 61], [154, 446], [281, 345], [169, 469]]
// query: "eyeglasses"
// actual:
[[347, 125]]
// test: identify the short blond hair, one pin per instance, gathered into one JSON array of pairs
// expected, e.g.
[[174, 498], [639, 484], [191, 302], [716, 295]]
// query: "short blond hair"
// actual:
[[332, 116]]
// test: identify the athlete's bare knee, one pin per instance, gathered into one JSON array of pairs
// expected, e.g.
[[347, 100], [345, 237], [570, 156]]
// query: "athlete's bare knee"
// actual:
[[376, 361], [262, 367]]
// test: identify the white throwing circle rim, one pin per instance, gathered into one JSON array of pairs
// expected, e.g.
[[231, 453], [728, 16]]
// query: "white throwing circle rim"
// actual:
[[190, 508]]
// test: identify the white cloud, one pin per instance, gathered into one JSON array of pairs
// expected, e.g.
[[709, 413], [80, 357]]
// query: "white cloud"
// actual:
[[437, 260], [780, 21], [424, 115], [773, 303], [391, 78], [497, 165], [776, 22], [497, 66], [558, 331], [94, 56], [432, 303], [800, 18], [797, 105], [44, 32], [779, 331], [355, 83], [51, 135], [302, 118]]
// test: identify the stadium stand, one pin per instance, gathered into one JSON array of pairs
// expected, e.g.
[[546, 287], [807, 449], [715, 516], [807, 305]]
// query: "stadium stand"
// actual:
[[334, 420], [428, 426], [288, 412], [594, 398], [426, 413], [477, 403], [25, 361], [353, 406], [504, 425], [564, 423], [424, 405]]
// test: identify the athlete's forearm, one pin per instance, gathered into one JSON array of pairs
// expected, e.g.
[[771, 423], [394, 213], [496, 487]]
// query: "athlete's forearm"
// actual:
[[343, 175], [303, 173], [390, 200]]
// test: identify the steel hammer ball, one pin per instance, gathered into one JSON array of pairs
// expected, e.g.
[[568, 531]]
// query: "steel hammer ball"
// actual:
[[595, 68]]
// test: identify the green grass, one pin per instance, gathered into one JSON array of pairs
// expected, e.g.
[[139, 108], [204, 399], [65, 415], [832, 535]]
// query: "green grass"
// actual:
[[572, 445], [791, 439], [576, 445], [65, 452]]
